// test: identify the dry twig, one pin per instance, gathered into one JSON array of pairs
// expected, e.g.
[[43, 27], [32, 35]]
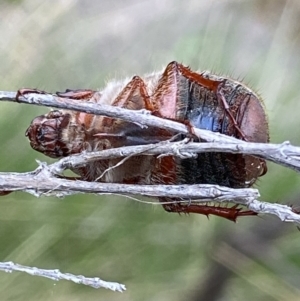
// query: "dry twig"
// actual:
[[57, 275]]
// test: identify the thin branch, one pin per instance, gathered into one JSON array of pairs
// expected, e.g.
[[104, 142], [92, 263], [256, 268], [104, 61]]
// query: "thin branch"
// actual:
[[57, 275], [284, 154], [43, 182], [140, 117]]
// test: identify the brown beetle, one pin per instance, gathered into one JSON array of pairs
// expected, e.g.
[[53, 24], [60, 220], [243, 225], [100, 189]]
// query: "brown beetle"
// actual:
[[204, 100]]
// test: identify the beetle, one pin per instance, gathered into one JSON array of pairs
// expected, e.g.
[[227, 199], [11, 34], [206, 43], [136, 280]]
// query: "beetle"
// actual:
[[201, 99]]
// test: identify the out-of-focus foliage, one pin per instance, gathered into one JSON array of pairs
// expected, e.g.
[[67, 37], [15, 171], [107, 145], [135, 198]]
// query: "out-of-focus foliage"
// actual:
[[159, 256]]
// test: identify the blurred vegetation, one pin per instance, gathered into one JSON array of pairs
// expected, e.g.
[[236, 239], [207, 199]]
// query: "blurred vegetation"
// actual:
[[159, 256]]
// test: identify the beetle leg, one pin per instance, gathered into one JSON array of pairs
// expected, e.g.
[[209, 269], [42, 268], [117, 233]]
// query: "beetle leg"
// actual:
[[80, 94], [166, 100], [231, 213], [25, 91], [134, 96]]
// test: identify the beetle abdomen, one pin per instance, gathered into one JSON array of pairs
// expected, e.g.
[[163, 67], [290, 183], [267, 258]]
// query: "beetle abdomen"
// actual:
[[205, 110]]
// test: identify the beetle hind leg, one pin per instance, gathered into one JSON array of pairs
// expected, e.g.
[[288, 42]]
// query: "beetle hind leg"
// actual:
[[231, 213]]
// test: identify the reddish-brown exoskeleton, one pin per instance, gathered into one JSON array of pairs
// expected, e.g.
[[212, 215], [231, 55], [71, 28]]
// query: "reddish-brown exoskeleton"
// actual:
[[204, 100]]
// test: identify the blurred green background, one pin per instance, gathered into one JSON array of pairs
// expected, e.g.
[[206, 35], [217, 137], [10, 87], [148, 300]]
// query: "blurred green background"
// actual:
[[54, 45]]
